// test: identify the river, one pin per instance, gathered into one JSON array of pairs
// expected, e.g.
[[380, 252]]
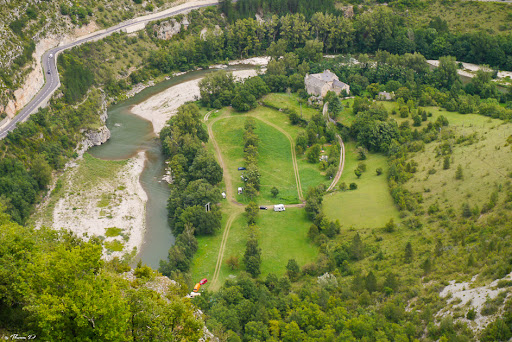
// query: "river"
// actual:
[[131, 134]]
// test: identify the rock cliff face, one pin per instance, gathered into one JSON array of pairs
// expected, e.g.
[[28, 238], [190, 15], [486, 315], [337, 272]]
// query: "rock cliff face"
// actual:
[[167, 29], [95, 137]]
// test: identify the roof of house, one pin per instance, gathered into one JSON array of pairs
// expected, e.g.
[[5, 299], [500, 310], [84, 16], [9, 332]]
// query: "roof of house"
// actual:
[[339, 84], [324, 77]]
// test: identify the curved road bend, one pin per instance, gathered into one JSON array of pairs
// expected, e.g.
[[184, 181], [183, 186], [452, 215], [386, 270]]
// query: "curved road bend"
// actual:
[[49, 63]]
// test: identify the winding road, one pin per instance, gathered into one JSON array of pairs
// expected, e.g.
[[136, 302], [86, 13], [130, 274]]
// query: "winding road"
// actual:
[[49, 59]]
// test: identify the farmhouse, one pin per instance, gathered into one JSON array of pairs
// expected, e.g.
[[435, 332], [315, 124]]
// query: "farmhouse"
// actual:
[[320, 84]]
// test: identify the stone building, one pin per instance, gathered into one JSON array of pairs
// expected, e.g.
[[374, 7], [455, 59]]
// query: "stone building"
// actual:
[[320, 84]]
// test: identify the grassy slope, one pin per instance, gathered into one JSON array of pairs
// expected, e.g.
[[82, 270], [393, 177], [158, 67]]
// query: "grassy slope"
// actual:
[[465, 16], [486, 163], [371, 205]]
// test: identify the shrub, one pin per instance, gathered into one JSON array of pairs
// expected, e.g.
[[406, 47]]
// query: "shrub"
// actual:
[[358, 173], [471, 314], [446, 163], [353, 186], [459, 173], [379, 171]]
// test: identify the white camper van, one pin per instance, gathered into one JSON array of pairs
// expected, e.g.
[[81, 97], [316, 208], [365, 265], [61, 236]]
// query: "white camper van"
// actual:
[[279, 207]]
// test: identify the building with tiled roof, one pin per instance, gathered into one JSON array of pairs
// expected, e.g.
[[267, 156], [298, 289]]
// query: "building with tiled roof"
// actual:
[[320, 84]]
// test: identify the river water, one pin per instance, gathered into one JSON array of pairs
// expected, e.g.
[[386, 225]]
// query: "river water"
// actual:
[[131, 134]]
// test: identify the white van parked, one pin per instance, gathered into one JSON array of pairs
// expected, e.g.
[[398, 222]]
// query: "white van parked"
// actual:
[[279, 207]]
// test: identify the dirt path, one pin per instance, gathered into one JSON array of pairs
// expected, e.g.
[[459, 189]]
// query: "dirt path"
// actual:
[[340, 166], [294, 156], [227, 177], [222, 248]]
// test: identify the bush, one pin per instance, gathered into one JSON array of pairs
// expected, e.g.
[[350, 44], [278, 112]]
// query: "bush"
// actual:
[[471, 314], [353, 186], [379, 171], [459, 173]]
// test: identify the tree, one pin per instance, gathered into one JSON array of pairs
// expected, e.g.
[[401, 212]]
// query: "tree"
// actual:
[[379, 171], [459, 173], [446, 163], [362, 153], [358, 173], [293, 270], [205, 166], [233, 262], [41, 171], [353, 186], [446, 74], [390, 226], [252, 257], [313, 154], [370, 282], [251, 211], [274, 191], [416, 120], [466, 210], [408, 253], [213, 85], [356, 248]]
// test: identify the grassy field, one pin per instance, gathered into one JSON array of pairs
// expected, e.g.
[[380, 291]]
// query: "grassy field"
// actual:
[[206, 256], [310, 175], [282, 101], [371, 205], [283, 236], [274, 161], [273, 229]]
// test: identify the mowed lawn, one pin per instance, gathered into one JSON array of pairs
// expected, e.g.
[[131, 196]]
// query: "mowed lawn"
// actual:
[[274, 160], [281, 236], [371, 205], [291, 101], [310, 175], [205, 259]]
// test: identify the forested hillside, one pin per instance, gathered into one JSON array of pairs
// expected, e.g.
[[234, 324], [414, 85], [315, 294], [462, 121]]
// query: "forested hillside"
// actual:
[[23, 24]]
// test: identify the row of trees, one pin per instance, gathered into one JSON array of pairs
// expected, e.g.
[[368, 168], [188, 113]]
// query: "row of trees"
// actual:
[[251, 174], [195, 176]]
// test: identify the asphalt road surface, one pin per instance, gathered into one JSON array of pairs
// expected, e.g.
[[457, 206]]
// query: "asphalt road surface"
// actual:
[[49, 65]]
